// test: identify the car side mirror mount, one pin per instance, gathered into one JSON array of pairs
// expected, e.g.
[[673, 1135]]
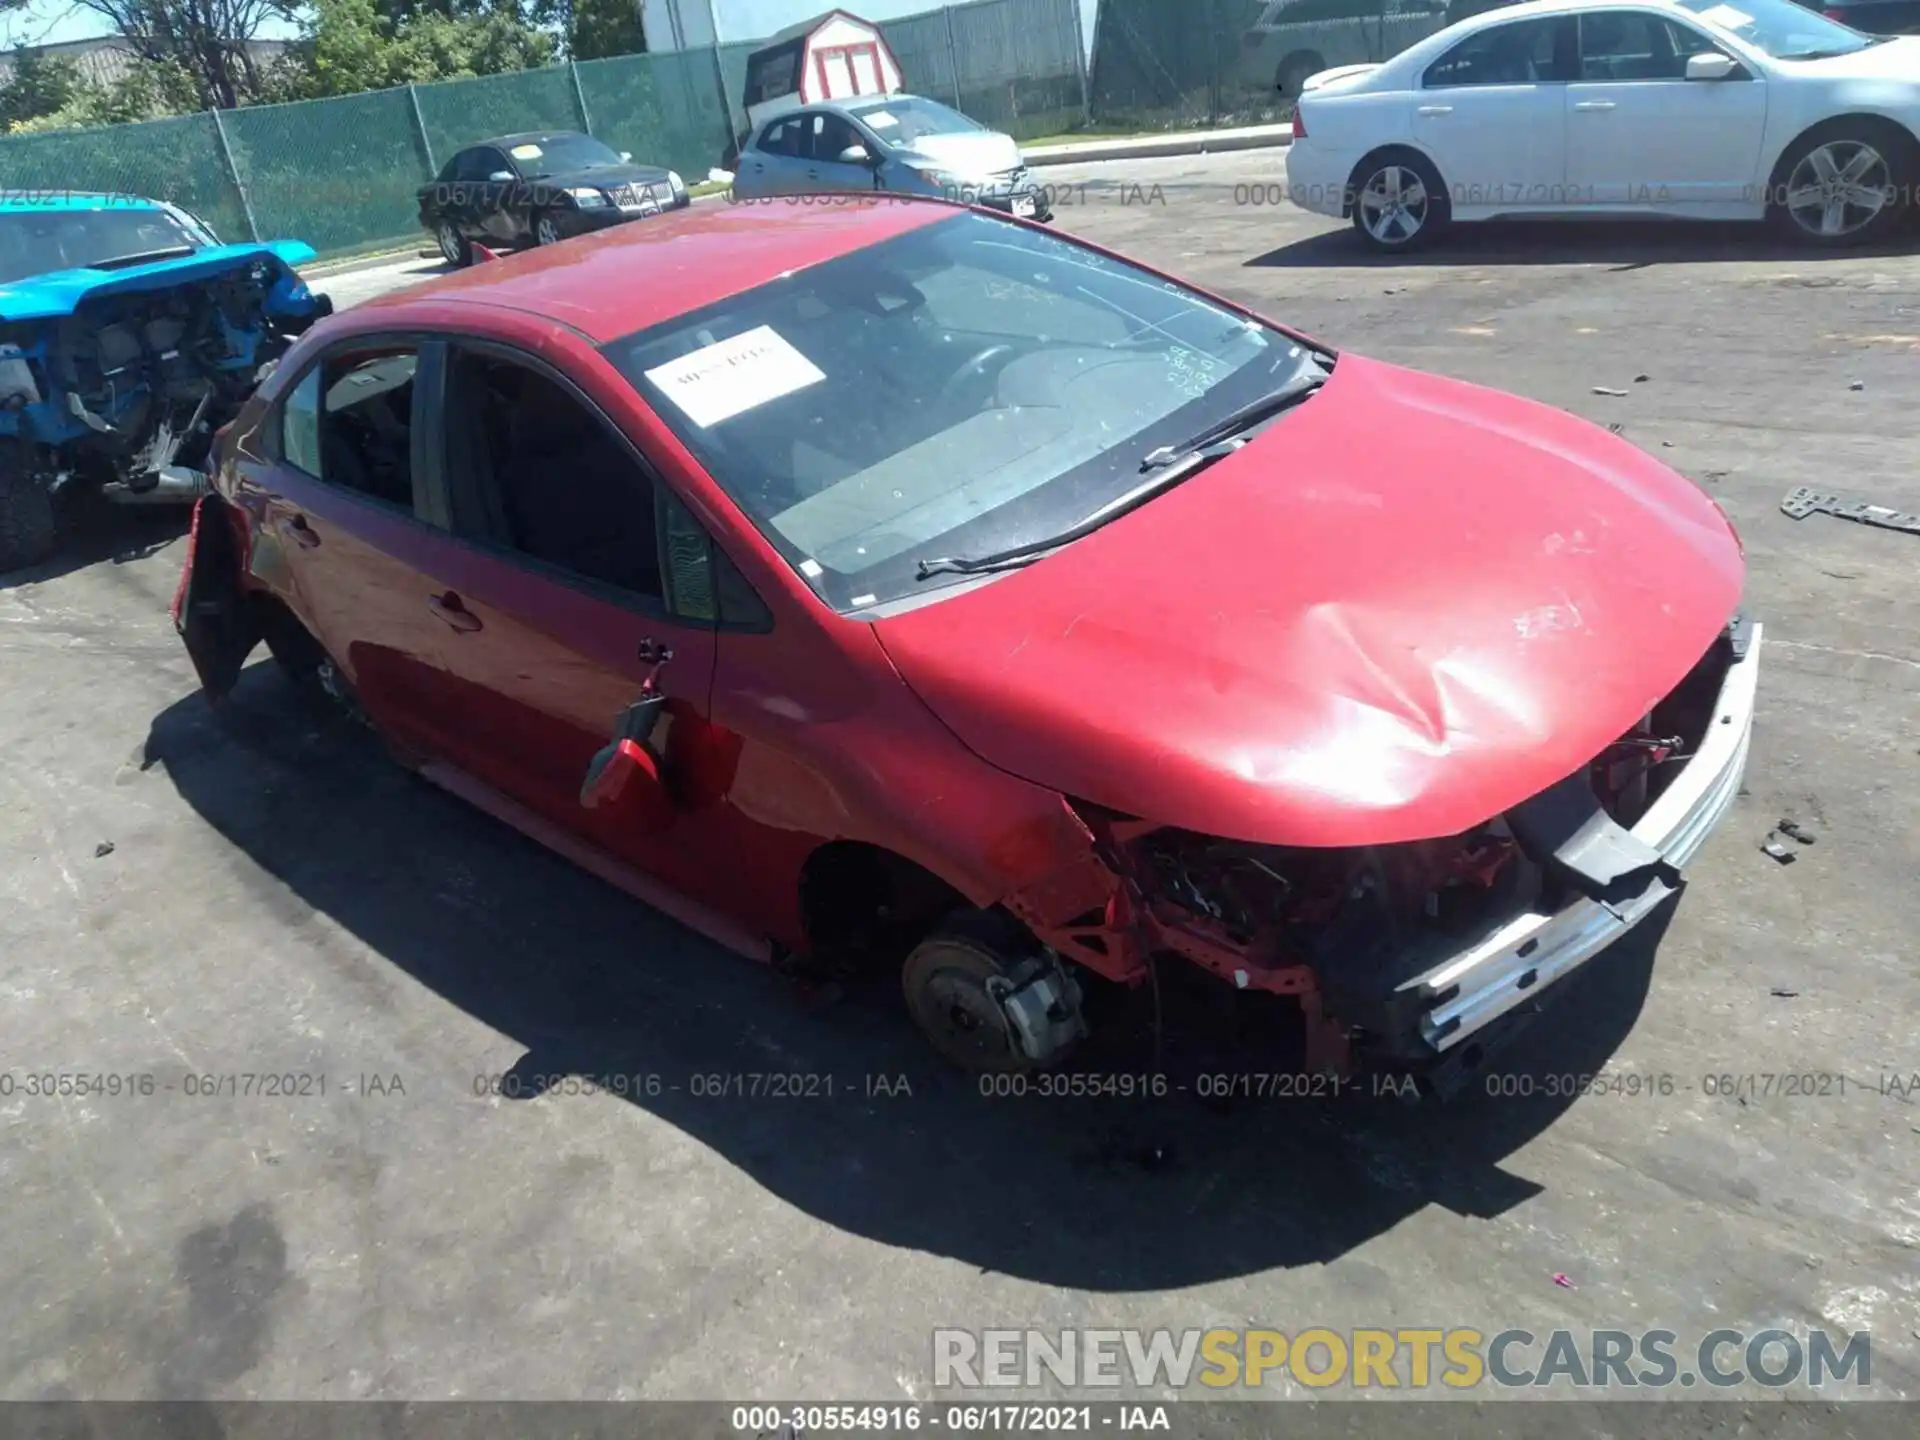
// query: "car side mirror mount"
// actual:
[[856, 155], [1711, 66], [624, 776], [499, 176]]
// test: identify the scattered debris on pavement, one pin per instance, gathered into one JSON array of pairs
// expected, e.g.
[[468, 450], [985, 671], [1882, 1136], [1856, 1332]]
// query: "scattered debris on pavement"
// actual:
[[1793, 830], [1780, 992], [1563, 1282], [1777, 848], [1804, 500], [1604, 390], [103, 849], [1641, 379], [1858, 385]]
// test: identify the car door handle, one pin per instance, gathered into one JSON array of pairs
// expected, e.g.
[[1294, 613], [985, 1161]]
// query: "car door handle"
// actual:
[[450, 608], [302, 532], [652, 652], [1435, 110], [1593, 104]]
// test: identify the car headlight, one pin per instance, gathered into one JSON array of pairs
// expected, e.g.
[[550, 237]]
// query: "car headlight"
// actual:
[[589, 199], [945, 179], [679, 185]]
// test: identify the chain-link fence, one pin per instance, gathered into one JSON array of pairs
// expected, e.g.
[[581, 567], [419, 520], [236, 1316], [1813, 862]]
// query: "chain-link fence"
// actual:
[[1170, 64], [343, 174]]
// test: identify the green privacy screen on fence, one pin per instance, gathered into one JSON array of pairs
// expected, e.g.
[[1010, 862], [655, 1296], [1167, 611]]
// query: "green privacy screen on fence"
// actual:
[[177, 160], [1174, 63], [342, 174], [334, 173]]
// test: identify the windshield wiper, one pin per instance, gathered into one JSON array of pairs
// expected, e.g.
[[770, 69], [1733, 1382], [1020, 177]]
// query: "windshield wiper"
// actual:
[[1247, 416], [141, 257], [1168, 466]]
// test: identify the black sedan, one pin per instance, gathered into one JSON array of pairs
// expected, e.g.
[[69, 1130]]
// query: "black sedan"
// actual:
[[538, 189]]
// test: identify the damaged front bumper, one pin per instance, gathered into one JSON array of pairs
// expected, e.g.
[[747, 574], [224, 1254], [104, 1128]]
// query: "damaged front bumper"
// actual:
[[1452, 1004]]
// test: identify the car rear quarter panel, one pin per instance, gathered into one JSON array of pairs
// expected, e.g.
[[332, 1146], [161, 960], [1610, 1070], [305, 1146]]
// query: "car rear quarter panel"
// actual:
[[1343, 128]]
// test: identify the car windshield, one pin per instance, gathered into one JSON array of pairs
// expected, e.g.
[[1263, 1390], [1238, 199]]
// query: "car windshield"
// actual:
[[1781, 28], [965, 388], [908, 118], [34, 241], [559, 154]]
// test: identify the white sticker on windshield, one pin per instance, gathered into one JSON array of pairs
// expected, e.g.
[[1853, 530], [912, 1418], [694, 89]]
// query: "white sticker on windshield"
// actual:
[[1727, 17], [812, 569], [525, 152], [723, 380], [881, 120]]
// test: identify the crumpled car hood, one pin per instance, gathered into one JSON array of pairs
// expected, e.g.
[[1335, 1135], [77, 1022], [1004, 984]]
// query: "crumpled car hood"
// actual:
[[60, 292], [1405, 608]]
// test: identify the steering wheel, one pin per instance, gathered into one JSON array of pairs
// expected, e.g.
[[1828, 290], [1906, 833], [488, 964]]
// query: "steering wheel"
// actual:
[[973, 371]]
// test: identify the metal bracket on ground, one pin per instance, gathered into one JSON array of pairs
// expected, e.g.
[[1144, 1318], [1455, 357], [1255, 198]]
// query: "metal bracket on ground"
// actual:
[[1805, 501]]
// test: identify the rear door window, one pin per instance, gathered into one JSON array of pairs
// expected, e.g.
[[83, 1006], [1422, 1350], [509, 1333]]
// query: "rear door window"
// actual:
[[1525, 52], [348, 423], [783, 137]]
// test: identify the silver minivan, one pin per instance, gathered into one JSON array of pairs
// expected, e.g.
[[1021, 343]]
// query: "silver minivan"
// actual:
[[906, 144]]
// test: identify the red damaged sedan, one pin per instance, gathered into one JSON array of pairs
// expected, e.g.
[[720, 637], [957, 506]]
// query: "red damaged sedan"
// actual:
[[895, 579]]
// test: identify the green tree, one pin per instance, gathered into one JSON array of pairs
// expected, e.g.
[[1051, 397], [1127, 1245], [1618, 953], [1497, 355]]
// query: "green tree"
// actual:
[[593, 29], [39, 84], [149, 90], [211, 41], [355, 45]]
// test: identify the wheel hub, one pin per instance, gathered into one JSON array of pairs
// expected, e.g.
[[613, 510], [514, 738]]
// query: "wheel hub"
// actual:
[[972, 1020], [1838, 188], [1393, 205]]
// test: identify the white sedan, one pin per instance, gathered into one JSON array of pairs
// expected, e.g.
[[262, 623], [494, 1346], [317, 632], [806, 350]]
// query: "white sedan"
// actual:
[[1703, 109]]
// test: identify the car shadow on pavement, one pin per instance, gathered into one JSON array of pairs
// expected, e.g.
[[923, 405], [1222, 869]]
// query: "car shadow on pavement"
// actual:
[[1624, 244], [1100, 1194], [91, 534]]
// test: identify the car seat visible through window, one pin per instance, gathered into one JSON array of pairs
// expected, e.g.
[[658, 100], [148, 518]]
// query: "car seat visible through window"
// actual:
[[571, 496]]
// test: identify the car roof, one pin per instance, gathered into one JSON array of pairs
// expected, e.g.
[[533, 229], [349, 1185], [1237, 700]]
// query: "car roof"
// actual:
[[1398, 69], [633, 276], [1530, 8], [529, 137], [857, 103], [15, 201]]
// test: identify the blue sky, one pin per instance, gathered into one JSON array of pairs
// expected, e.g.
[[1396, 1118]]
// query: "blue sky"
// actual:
[[46, 22]]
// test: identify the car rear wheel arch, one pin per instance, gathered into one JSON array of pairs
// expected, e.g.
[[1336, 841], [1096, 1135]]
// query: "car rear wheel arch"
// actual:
[[1902, 151]]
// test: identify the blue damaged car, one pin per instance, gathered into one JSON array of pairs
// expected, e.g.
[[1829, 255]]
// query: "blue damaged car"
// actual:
[[128, 335]]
